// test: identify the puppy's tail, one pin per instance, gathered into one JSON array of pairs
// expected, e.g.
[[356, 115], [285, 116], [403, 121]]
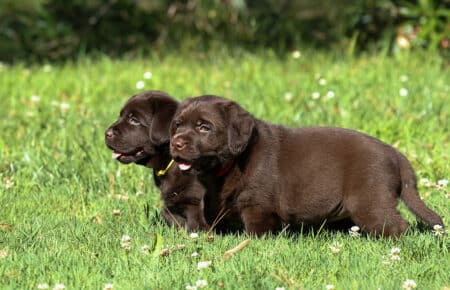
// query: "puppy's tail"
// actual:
[[410, 195]]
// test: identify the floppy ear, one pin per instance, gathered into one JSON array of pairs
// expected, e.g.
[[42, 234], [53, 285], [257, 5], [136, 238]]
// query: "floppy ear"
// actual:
[[240, 128], [163, 108]]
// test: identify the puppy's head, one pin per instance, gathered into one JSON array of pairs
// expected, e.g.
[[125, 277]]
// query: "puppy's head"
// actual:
[[142, 127], [208, 131]]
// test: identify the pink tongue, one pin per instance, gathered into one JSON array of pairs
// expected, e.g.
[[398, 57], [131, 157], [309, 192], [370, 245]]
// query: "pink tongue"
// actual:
[[184, 166], [115, 155]]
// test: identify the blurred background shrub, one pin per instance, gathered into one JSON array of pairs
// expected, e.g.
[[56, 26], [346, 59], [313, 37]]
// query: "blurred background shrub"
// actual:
[[55, 29]]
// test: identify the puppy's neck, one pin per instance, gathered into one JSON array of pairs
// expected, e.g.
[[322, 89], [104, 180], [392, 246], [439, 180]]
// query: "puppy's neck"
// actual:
[[160, 160]]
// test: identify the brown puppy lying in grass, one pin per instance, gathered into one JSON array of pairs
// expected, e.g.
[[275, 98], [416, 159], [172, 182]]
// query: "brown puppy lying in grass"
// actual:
[[141, 136], [268, 175]]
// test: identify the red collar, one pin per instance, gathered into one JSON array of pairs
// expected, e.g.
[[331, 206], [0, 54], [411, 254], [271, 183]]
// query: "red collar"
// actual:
[[224, 170]]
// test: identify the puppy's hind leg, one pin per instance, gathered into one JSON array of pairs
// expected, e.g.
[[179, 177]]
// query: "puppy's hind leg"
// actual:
[[258, 221], [374, 210], [195, 219]]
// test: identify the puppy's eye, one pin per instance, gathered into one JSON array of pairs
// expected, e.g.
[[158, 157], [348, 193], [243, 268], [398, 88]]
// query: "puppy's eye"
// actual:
[[133, 121], [177, 123], [204, 128]]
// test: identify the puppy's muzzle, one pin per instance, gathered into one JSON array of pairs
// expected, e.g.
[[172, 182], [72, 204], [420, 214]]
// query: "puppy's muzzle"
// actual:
[[179, 144], [110, 133]]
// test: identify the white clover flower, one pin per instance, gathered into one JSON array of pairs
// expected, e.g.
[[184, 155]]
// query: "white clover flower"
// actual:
[[403, 92], [148, 75], [59, 286], [395, 251], [395, 258], [330, 94], [4, 254], [125, 242], [140, 85], [403, 42], [404, 78], [108, 286], [119, 196], [335, 248], [425, 182], [43, 286], [203, 265], [288, 96], [442, 183], [201, 283], [9, 183], [409, 284], [180, 247], [354, 231], [193, 235], [194, 254], [322, 81], [329, 287], [438, 230], [315, 95], [395, 254], [144, 249], [35, 98], [47, 68], [296, 54], [64, 106]]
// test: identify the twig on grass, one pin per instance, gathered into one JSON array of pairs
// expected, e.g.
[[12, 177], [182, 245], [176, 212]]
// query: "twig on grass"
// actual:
[[236, 249]]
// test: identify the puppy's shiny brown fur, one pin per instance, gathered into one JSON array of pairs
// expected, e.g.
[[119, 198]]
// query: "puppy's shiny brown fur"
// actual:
[[278, 175], [141, 136]]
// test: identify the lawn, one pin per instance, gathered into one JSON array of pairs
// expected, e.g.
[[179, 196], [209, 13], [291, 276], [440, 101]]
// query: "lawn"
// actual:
[[66, 204]]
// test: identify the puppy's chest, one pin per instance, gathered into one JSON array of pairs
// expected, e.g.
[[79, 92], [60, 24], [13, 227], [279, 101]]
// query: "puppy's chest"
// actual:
[[232, 196], [179, 189], [172, 191]]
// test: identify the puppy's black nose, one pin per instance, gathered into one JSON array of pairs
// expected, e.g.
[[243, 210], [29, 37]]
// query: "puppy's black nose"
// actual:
[[179, 144], [109, 133]]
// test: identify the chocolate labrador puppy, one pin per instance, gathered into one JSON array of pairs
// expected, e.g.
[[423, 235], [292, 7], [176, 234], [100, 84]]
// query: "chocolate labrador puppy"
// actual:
[[141, 136], [273, 175]]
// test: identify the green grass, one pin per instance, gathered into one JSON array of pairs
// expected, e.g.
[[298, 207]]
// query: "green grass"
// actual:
[[56, 174]]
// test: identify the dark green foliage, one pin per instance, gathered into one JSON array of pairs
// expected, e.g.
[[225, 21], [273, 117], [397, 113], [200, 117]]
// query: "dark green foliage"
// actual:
[[427, 21], [52, 29]]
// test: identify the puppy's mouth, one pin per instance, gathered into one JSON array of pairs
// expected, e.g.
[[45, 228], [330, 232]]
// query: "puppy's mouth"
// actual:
[[183, 164], [128, 157], [197, 164]]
